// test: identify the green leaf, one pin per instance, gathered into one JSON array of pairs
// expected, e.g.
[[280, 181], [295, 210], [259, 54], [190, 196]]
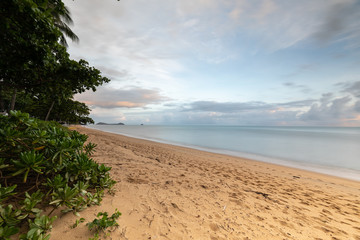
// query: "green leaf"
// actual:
[[6, 192]]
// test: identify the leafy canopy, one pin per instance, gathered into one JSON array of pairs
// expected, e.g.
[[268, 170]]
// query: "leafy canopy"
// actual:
[[34, 63]]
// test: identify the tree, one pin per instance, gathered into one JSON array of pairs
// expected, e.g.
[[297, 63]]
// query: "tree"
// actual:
[[30, 32], [69, 78], [66, 111], [27, 39], [62, 19], [32, 61], [70, 111]]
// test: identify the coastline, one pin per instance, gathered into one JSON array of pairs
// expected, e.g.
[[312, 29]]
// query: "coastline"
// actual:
[[172, 192], [337, 171]]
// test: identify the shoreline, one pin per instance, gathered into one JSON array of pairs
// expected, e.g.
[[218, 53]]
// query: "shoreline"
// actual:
[[172, 192], [333, 171]]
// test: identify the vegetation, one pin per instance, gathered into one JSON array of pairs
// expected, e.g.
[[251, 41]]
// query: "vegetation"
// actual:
[[43, 164], [77, 222], [35, 68], [104, 224]]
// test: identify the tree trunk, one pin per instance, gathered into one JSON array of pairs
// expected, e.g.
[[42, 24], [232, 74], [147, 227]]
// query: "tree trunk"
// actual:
[[48, 114], [2, 105], [13, 99]]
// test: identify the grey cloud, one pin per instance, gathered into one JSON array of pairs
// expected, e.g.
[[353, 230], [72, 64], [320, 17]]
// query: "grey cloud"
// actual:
[[329, 109], [341, 19], [352, 87], [256, 117], [238, 113], [326, 110], [334, 110], [301, 69], [289, 84], [357, 107], [231, 107], [114, 73], [125, 35], [223, 107], [303, 88], [133, 97], [326, 98], [137, 30], [302, 103], [171, 105]]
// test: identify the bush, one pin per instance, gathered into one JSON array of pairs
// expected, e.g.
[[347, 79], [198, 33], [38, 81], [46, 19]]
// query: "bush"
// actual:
[[104, 224], [44, 164]]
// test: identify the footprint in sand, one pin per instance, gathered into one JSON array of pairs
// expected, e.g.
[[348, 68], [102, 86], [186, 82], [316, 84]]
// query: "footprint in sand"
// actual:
[[214, 227]]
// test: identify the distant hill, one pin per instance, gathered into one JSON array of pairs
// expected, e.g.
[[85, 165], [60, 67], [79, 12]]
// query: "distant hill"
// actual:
[[102, 123]]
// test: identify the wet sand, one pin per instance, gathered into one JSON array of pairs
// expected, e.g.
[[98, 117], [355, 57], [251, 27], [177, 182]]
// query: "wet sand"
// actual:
[[172, 192]]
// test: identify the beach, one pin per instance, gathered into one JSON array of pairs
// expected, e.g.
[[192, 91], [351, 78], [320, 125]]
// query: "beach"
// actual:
[[171, 192]]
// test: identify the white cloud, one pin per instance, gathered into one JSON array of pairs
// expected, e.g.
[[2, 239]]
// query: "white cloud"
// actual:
[[132, 97]]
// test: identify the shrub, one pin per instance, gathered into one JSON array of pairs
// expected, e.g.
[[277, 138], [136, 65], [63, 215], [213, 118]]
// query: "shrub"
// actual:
[[104, 224], [44, 164]]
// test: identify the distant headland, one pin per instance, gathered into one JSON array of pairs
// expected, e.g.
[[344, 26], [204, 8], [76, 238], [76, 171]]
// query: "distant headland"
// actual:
[[102, 123]]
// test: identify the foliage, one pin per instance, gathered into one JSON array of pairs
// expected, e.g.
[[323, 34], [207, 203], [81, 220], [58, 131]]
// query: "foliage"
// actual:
[[77, 222], [64, 111], [61, 16], [34, 65], [28, 42], [39, 227], [6, 192], [44, 164], [104, 223]]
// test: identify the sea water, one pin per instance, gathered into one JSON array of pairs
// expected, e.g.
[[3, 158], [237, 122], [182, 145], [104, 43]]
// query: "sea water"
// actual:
[[329, 150]]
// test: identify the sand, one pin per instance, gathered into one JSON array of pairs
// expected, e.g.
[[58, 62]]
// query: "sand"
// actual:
[[170, 192]]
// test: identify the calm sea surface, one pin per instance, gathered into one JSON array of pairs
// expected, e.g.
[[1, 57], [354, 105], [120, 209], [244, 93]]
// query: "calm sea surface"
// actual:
[[330, 150]]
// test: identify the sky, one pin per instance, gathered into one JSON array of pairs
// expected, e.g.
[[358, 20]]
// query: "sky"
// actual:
[[225, 62]]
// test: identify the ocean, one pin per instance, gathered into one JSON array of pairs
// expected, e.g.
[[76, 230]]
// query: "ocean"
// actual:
[[329, 150]]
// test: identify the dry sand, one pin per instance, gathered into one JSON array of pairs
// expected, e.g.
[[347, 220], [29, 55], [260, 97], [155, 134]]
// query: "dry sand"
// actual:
[[171, 192]]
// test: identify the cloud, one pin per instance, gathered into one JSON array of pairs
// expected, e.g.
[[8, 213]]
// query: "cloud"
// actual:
[[108, 115], [236, 116], [133, 97], [128, 41], [232, 107], [300, 69], [295, 104], [155, 41], [238, 113], [211, 30], [327, 110], [341, 20], [331, 110], [115, 73], [303, 88], [283, 24], [351, 87], [174, 47], [357, 107], [225, 107], [256, 117]]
